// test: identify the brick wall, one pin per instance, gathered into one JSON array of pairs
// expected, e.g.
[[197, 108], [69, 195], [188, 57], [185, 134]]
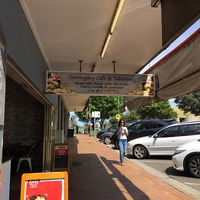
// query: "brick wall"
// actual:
[[24, 116]]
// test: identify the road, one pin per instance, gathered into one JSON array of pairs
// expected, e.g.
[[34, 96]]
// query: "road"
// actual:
[[164, 165]]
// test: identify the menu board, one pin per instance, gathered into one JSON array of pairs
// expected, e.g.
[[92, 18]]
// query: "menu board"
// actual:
[[61, 157], [44, 186]]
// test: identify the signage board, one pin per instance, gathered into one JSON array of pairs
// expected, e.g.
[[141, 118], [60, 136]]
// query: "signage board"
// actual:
[[61, 157], [44, 186], [100, 84], [96, 114], [118, 116], [2, 96], [2, 76]]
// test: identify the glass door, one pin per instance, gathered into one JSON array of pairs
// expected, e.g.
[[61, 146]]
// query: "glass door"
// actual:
[[49, 137]]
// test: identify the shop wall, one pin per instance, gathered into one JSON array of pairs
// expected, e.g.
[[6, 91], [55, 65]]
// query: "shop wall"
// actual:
[[24, 116], [22, 46]]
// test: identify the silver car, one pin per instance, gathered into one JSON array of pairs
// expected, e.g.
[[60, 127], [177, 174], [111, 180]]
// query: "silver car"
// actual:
[[165, 141], [187, 158]]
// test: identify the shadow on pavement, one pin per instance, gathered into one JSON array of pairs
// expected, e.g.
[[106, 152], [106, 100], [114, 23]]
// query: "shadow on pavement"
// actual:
[[134, 192], [151, 157], [98, 179], [172, 172], [161, 157]]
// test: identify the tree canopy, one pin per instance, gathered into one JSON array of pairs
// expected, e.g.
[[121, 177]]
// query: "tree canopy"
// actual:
[[130, 116], [160, 110], [189, 103], [107, 105]]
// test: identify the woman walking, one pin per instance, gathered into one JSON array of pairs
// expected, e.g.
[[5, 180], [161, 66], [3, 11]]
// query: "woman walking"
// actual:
[[122, 133]]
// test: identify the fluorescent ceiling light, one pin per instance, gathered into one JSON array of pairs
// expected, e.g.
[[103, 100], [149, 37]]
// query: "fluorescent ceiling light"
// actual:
[[106, 45], [117, 13], [112, 27]]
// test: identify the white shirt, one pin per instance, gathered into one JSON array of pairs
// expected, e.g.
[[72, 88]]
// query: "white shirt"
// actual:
[[122, 135]]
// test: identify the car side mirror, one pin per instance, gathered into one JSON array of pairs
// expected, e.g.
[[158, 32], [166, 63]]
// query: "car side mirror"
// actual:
[[155, 136]]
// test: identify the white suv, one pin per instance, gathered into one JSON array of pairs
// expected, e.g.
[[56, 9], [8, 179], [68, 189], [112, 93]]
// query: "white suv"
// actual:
[[165, 141], [187, 158]]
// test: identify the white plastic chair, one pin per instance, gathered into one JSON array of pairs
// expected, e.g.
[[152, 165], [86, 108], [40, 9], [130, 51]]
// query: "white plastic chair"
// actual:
[[26, 158]]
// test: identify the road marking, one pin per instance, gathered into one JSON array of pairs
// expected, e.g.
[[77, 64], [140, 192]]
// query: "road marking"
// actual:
[[191, 183], [156, 161]]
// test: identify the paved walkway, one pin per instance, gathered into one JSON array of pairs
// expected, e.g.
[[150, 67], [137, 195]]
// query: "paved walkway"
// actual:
[[97, 175]]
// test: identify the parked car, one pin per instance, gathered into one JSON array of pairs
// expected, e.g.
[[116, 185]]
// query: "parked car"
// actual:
[[187, 158], [106, 136], [165, 141], [111, 129], [170, 121], [136, 129], [142, 128]]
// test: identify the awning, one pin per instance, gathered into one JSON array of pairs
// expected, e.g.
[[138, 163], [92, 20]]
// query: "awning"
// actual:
[[178, 72]]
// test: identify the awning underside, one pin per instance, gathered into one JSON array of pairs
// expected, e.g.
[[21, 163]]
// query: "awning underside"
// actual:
[[178, 75]]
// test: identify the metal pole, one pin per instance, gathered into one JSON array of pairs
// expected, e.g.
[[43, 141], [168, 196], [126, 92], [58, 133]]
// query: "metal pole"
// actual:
[[80, 61], [94, 124], [114, 62]]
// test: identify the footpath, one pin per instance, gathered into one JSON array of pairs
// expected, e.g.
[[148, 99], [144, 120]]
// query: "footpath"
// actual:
[[96, 175]]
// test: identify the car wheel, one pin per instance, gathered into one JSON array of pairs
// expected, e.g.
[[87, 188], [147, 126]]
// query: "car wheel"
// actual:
[[140, 152], [107, 140], [194, 166]]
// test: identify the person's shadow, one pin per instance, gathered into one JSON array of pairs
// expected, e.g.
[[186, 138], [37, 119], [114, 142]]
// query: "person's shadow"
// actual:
[[133, 190]]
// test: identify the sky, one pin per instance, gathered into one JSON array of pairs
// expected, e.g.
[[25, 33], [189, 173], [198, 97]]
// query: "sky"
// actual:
[[173, 45], [172, 103]]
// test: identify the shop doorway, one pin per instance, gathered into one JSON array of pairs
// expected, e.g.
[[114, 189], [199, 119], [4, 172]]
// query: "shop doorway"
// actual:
[[23, 133]]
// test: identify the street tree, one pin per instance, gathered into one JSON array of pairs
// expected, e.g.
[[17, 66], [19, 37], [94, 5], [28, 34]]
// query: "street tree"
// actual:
[[107, 105], [82, 115], [160, 110], [189, 103], [128, 117]]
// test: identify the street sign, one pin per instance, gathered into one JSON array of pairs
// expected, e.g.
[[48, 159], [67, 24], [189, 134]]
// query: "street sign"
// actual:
[[96, 114], [118, 116]]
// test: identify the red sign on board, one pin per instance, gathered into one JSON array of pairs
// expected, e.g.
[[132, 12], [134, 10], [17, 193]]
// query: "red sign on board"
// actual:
[[44, 190], [61, 150]]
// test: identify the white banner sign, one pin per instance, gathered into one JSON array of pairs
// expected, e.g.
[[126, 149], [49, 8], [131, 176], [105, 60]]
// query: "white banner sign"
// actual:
[[2, 91], [100, 84], [96, 114]]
